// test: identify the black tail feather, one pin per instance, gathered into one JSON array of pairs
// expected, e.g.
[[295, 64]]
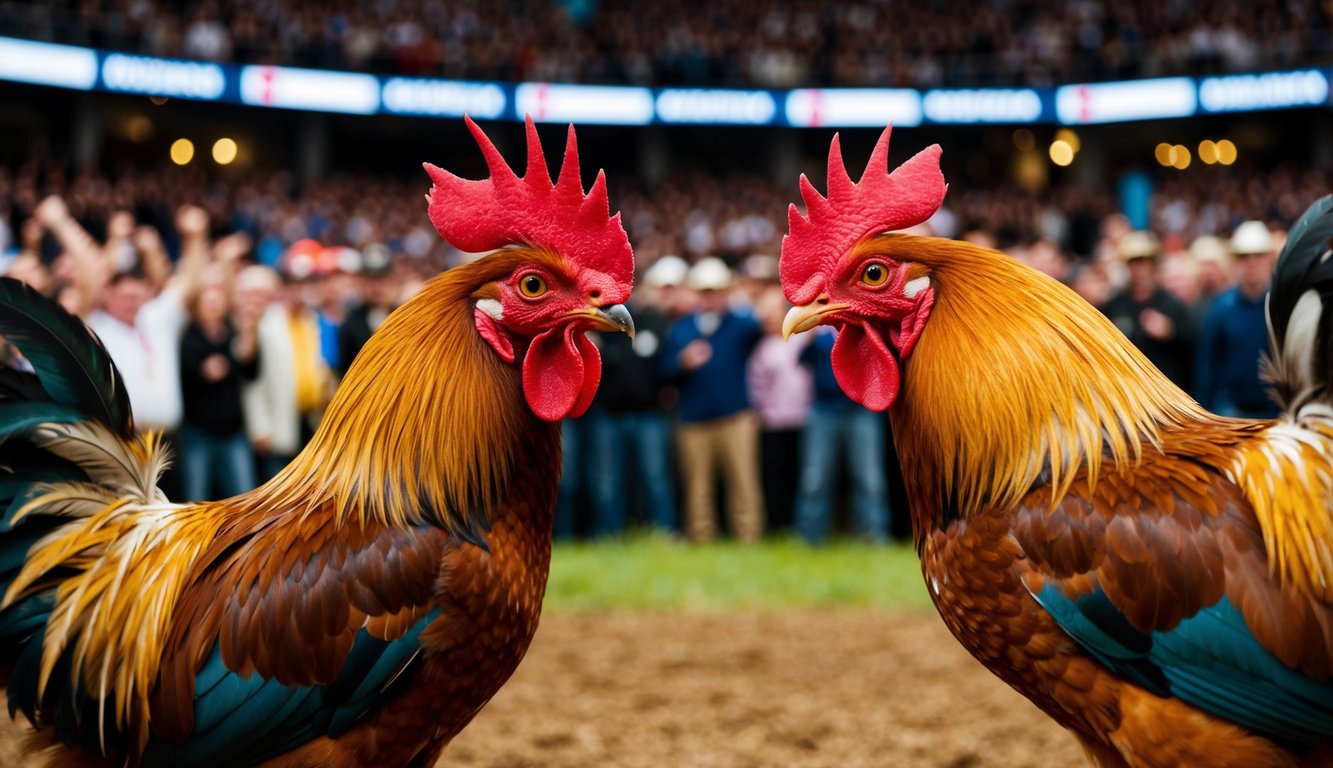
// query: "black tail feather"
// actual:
[[1300, 312], [71, 363]]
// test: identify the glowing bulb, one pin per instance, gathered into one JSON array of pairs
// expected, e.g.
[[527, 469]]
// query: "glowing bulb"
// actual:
[[224, 151], [1180, 157], [1208, 151], [1165, 154], [1061, 153], [1069, 137], [1226, 152], [182, 151]]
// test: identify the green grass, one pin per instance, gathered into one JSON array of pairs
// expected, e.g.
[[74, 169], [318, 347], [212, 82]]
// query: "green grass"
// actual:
[[653, 573]]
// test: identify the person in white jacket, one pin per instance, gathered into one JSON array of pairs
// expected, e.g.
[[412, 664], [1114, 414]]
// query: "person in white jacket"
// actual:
[[282, 404]]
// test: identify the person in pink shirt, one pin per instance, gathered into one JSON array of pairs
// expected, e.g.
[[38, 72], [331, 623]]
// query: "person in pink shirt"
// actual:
[[780, 391]]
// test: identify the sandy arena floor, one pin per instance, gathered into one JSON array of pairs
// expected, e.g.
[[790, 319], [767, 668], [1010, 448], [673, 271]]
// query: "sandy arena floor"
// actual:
[[792, 689]]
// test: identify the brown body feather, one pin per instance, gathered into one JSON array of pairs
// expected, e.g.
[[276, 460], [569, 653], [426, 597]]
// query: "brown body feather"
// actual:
[[1056, 454], [428, 444]]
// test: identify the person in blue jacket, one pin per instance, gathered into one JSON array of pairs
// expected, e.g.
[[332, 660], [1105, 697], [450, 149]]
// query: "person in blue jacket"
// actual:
[[705, 354], [1234, 336]]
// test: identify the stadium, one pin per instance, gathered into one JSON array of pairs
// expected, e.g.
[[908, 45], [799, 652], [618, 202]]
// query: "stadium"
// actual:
[[734, 579]]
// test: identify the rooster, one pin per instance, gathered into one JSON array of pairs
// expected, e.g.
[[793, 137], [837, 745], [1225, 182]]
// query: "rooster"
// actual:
[[1157, 579], [360, 608]]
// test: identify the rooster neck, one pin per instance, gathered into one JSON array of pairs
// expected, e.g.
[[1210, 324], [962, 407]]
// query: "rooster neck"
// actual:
[[429, 425], [1016, 381]]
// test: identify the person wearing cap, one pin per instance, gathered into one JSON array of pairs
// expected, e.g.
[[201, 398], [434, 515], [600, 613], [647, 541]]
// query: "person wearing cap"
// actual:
[[665, 281], [1150, 317], [706, 353], [378, 297], [1212, 256], [1234, 336]]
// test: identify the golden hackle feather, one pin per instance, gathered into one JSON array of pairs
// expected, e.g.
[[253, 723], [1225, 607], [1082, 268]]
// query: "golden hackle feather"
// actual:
[[422, 427], [1051, 387], [421, 430]]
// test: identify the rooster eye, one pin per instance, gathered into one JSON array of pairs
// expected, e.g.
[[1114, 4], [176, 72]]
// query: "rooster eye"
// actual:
[[874, 274], [532, 286]]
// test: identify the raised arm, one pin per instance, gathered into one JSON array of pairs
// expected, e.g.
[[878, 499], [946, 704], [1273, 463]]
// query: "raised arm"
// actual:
[[92, 269], [192, 224]]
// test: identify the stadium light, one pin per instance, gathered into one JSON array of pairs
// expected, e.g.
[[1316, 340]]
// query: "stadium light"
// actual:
[[182, 151], [1069, 137], [1165, 154], [1180, 157], [224, 151], [1226, 152], [1208, 151], [1062, 152]]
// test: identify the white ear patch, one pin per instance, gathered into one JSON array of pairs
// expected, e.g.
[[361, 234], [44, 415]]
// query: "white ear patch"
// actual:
[[912, 287], [491, 307]]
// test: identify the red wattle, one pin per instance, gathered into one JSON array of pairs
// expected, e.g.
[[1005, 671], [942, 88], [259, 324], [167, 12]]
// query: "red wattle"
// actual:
[[560, 373], [491, 332], [865, 368]]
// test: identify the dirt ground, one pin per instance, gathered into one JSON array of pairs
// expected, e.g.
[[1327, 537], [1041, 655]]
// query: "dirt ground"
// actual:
[[790, 689]]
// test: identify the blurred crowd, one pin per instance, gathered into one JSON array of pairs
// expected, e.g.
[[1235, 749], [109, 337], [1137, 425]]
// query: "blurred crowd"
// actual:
[[721, 42], [233, 317]]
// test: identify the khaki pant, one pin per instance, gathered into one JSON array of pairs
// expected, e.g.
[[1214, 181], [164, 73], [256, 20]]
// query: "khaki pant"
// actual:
[[731, 443]]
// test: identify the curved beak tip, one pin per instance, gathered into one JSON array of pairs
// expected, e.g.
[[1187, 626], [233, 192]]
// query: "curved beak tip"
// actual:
[[620, 317], [799, 320]]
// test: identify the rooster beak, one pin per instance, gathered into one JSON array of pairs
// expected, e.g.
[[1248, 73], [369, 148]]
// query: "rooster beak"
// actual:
[[807, 316], [613, 318]]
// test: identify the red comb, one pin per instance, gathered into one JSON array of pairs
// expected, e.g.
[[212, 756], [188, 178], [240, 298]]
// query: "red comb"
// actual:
[[505, 210], [879, 202]]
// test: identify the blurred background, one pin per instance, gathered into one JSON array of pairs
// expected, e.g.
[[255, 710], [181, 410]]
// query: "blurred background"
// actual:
[[298, 130], [260, 162]]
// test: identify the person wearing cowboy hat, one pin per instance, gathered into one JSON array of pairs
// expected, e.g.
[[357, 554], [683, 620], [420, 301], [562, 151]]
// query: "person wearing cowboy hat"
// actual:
[[1234, 336], [1150, 317]]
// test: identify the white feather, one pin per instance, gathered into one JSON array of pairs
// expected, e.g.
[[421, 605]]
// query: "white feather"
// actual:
[[912, 287], [1298, 351]]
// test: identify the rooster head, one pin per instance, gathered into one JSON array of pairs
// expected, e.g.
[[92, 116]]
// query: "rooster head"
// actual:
[[568, 268], [835, 272]]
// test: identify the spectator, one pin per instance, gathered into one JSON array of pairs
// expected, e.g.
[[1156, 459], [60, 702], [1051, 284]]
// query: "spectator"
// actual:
[[1235, 334], [705, 353], [573, 477], [666, 279], [1154, 320], [780, 388], [629, 429], [79, 287], [282, 404], [1212, 257], [141, 328], [378, 299], [206, 38], [839, 433], [728, 43], [216, 356]]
